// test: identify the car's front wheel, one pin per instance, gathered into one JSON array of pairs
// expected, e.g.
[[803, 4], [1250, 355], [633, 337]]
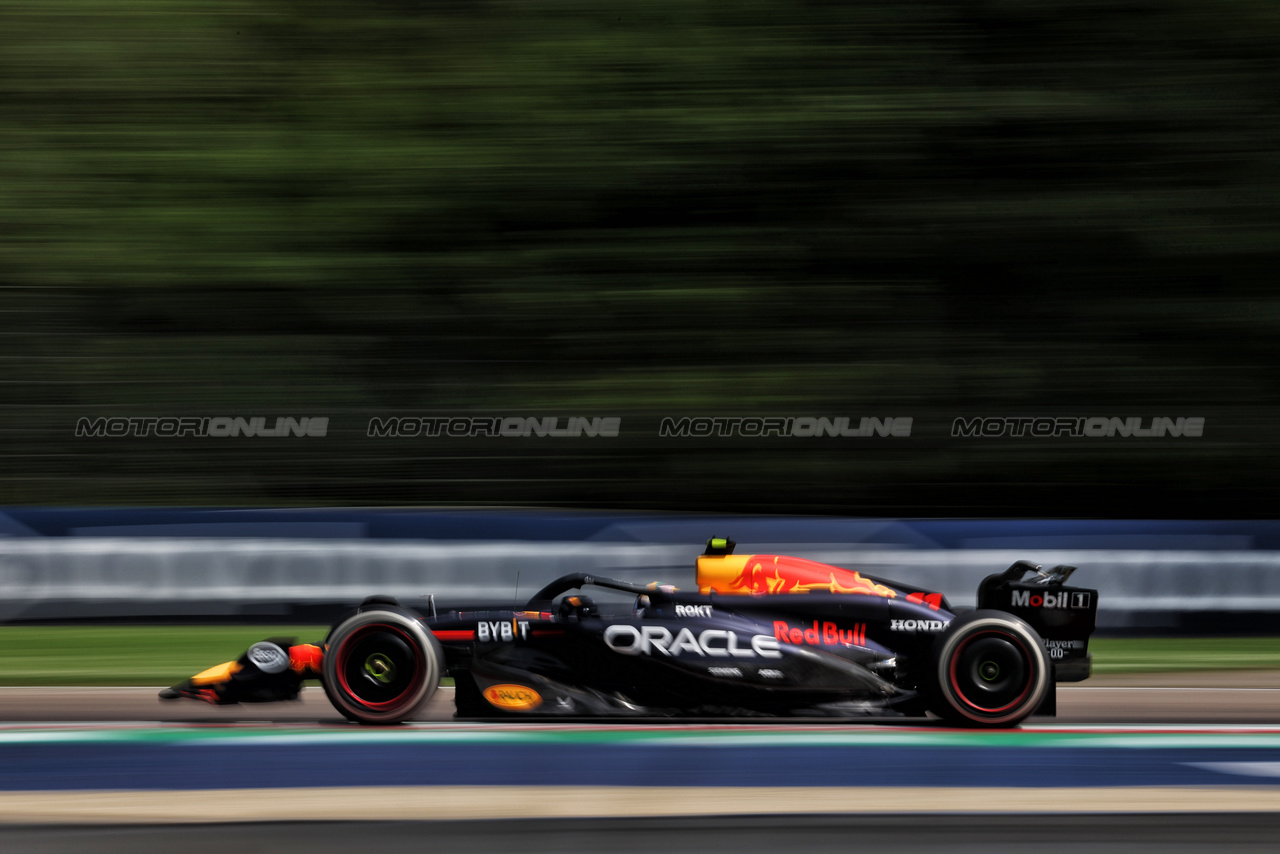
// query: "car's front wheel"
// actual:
[[380, 666], [990, 670]]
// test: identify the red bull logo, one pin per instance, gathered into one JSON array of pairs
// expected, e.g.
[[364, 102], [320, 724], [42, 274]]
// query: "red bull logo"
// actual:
[[758, 575], [820, 634]]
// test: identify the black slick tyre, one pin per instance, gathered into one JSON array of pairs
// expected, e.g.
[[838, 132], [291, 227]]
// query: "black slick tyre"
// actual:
[[989, 669], [380, 666]]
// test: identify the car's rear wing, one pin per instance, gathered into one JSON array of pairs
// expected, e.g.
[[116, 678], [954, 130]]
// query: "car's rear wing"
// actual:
[[1064, 616]]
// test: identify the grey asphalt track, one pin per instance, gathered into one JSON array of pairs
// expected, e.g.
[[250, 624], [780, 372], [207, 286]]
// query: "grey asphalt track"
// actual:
[[1231, 697], [970, 834], [1241, 697]]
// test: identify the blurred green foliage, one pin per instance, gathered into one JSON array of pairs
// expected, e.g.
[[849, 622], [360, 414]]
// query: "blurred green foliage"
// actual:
[[807, 207]]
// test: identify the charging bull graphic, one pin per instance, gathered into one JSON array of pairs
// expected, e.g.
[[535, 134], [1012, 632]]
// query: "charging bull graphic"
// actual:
[[761, 574]]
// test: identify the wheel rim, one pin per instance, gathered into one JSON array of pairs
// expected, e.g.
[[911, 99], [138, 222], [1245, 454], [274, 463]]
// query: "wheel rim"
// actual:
[[378, 666], [991, 672]]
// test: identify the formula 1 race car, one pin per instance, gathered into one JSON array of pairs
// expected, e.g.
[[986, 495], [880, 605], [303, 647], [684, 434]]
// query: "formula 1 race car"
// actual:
[[764, 635]]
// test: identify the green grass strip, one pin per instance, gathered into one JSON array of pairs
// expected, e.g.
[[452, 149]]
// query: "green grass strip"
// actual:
[[127, 655], [1165, 655], [164, 655]]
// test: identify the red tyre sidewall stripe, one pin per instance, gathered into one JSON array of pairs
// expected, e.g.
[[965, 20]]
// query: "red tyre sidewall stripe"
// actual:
[[344, 653], [955, 685]]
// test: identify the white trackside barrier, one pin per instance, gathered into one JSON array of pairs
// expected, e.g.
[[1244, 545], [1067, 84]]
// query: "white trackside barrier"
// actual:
[[119, 576], [204, 577]]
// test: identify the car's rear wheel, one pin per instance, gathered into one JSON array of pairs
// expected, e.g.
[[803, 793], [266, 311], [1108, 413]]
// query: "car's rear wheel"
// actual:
[[990, 670], [380, 666]]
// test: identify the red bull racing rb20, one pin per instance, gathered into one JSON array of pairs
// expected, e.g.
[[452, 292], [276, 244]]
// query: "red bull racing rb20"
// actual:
[[762, 636]]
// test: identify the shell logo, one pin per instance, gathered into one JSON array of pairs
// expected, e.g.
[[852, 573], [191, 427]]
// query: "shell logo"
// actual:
[[516, 698]]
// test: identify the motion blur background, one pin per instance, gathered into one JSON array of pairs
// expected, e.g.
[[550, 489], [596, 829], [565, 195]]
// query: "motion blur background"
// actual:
[[805, 208]]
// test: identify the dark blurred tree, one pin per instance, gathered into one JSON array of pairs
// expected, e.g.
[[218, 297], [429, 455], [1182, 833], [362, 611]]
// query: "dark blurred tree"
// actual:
[[579, 207]]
